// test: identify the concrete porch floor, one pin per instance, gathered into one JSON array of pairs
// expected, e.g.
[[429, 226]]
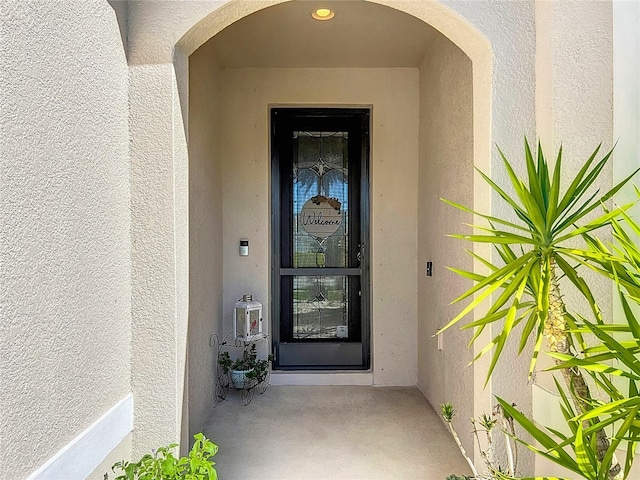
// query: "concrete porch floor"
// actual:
[[332, 432]]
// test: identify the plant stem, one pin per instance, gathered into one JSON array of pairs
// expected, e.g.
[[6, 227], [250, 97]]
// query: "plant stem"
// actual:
[[559, 340], [462, 450], [490, 454], [512, 430], [488, 462], [512, 467]]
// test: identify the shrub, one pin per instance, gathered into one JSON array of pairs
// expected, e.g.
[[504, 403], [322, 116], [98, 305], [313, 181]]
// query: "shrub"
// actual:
[[161, 464]]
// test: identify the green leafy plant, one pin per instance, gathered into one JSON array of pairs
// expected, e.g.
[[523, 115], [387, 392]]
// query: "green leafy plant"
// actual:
[[535, 251], [613, 360], [577, 451], [163, 465], [614, 353], [254, 368], [224, 360]]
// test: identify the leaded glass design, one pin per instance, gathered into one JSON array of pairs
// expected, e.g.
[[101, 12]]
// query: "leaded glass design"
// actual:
[[320, 169], [320, 307]]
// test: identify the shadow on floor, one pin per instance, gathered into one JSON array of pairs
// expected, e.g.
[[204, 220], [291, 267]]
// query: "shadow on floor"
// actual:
[[332, 432]]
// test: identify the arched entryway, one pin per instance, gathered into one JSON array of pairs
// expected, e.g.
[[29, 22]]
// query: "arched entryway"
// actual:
[[429, 101]]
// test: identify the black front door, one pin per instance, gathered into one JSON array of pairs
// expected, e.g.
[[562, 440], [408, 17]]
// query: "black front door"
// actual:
[[320, 219]]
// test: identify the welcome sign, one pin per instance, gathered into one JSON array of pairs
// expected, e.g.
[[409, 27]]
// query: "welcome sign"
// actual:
[[321, 216]]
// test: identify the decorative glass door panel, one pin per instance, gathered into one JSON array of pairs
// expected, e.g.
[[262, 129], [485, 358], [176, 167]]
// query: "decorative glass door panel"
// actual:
[[319, 165], [320, 307]]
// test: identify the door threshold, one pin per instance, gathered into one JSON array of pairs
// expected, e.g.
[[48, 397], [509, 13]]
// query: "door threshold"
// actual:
[[321, 378]]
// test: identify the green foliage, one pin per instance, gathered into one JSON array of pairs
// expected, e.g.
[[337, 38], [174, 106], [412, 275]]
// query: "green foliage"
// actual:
[[256, 369], [547, 222], [456, 477], [576, 451], [163, 465], [616, 349], [545, 237], [615, 352], [447, 412], [487, 422], [224, 360], [554, 445]]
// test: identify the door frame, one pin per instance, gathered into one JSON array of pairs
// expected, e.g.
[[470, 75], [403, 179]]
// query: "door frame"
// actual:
[[364, 116]]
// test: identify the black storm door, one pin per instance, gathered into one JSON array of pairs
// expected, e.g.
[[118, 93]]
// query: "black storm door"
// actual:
[[320, 228]]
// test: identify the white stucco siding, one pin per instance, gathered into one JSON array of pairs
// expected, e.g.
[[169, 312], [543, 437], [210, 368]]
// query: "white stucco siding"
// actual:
[[65, 245], [156, 27], [595, 48], [574, 101], [626, 95], [582, 52], [157, 380], [445, 171], [205, 247], [509, 28]]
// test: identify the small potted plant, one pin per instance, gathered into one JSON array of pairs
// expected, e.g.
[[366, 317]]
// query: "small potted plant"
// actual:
[[246, 371]]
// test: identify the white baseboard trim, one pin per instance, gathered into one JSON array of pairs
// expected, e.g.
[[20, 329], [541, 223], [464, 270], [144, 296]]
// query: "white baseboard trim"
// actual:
[[87, 451], [321, 378]]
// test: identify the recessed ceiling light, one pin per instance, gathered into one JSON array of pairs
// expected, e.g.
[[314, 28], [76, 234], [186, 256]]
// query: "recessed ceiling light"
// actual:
[[323, 14]]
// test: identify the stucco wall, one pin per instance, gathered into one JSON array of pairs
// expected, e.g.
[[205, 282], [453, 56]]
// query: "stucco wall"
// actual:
[[574, 110], [626, 93], [445, 170], [512, 117], [65, 248], [205, 217], [578, 113], [157, 377], [503, 114], [594, 96], [393, 93]]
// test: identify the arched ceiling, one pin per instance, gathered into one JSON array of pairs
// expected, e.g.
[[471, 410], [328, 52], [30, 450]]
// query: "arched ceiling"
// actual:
[[361, 34]]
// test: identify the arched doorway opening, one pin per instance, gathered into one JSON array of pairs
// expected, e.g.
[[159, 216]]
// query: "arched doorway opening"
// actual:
[[424, 74]]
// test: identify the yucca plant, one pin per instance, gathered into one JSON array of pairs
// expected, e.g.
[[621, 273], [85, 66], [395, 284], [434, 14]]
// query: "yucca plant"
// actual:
[[616, 351], [618, 358], [535, 251], [576, 451], [626, 272]]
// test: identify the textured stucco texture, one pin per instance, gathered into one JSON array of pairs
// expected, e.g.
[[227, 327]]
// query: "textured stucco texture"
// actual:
[[445, 171], [206, 227], [393, 95], [65, 246], [157, 382]]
